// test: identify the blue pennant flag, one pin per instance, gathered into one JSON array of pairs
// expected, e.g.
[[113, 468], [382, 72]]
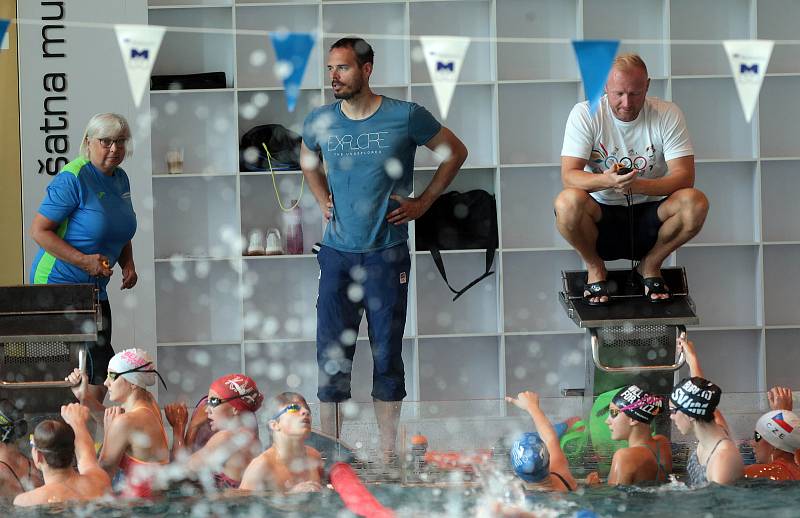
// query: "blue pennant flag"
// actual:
[[3, 29], [292, 50], [594, 59]]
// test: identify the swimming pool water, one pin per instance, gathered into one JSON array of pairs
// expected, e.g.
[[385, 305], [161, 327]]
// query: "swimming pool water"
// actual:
[[746, 499]]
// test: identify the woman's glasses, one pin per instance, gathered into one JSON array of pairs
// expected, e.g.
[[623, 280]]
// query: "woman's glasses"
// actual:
[[292, 409], [673, 410], [106, 143], [214, 402], [614, 412], [756, 436]]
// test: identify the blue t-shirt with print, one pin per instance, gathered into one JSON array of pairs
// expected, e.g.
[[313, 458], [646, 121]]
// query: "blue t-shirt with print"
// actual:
[[95, 216], [367, 161]]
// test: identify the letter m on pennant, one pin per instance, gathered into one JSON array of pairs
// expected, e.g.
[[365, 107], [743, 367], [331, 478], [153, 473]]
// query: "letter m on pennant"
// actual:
[[140, 54], [445, 66], [743, 68]]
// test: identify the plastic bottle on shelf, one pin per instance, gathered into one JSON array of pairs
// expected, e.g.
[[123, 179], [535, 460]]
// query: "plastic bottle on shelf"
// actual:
[[293, 222]]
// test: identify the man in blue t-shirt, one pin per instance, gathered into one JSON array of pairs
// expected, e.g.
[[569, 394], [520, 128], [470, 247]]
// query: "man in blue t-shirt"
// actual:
[[367, 142]]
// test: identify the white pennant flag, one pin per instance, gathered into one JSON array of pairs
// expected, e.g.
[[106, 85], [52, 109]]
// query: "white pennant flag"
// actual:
[[748, 59], [444, 56], [139, 46]]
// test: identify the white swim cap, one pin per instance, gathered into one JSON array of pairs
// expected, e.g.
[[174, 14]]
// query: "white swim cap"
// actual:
[[781, 429]]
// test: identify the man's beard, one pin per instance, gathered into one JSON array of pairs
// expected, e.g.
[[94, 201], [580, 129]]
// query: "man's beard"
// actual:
[[346, 96]]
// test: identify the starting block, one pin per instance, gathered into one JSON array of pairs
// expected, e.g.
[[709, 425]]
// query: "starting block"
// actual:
[[44, 329], [632, 340]]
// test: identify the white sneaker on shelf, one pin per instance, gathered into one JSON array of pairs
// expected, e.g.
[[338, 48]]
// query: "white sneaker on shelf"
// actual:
[[274, 242], [255, 245]]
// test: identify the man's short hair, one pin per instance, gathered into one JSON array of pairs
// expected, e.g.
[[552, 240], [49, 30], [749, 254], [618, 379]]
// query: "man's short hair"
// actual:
[[628, 61], [55, 439], [362, 49]]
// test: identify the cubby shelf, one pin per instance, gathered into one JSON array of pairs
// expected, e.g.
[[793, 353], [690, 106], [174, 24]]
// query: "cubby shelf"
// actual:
[[223, 310]]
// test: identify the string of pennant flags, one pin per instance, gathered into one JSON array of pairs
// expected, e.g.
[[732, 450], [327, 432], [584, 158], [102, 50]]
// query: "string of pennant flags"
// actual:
[[444, 57]]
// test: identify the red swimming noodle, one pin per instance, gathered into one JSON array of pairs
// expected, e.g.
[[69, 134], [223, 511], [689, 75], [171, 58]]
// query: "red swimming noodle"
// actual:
[[355, 495]]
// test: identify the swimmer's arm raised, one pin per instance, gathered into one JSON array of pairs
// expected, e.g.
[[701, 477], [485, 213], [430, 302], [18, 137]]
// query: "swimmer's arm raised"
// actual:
[[529, 401], [687, 346]]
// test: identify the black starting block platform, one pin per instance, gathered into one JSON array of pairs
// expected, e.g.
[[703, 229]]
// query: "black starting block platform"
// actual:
[[628, 304]]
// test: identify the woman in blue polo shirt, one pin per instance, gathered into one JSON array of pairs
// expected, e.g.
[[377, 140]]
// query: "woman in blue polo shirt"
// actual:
[[85, 225]]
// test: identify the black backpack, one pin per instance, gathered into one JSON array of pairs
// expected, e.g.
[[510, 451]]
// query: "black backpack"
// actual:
[[283, 145], [459, 221]]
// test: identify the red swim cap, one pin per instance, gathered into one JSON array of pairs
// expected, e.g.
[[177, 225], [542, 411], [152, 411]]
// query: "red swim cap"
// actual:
[[242, 388]]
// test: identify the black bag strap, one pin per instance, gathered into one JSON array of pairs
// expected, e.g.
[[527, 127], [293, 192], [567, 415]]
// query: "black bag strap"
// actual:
[[437, 259]]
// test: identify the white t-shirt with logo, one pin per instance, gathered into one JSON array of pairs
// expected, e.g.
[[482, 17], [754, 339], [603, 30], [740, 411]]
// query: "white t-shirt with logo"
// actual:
[[658, 134]]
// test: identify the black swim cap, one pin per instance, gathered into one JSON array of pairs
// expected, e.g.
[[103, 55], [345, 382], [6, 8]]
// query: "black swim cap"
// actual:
[[696, 397], [638, 404]]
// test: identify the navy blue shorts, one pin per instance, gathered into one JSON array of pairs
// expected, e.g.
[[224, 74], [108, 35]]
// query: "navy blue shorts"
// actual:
[[384, 276], [614, 230]]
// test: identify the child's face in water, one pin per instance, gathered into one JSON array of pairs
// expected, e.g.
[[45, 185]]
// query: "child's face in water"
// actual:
[[295, 420]]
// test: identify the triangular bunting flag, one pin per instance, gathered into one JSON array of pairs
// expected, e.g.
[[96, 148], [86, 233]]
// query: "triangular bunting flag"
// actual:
[[3, 29], [444, 56], [594, 59], [748, 59], [292, 50], [139, 46]]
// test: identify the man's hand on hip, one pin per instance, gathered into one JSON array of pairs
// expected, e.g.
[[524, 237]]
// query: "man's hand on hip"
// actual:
[[409, 209]]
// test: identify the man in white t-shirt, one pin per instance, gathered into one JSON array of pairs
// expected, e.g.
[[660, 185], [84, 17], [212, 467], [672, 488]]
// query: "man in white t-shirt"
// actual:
[[633, 149]]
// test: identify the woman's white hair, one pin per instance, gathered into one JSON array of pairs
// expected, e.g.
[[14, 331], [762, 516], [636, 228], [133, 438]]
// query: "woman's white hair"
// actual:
[[105, 125]]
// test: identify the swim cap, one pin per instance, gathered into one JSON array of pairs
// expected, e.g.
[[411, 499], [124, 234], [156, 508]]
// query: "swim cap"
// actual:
[[132, 360], [638, 404], [696, 397], [781, 429], [530, 458], [242, 388], [12, 424]]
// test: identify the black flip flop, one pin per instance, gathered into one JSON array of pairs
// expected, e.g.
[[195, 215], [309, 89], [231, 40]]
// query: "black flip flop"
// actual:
[[596, 289], [654, 285]]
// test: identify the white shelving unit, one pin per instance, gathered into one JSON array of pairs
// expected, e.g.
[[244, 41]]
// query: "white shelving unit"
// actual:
[[218, 311]]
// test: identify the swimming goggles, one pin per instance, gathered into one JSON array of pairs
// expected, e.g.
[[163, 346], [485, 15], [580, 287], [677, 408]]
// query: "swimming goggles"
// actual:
[[214, 402], [292, 409], [141, 368]]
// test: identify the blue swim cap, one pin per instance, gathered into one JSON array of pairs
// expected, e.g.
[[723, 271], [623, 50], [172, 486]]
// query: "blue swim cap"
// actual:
[[530, 458]]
